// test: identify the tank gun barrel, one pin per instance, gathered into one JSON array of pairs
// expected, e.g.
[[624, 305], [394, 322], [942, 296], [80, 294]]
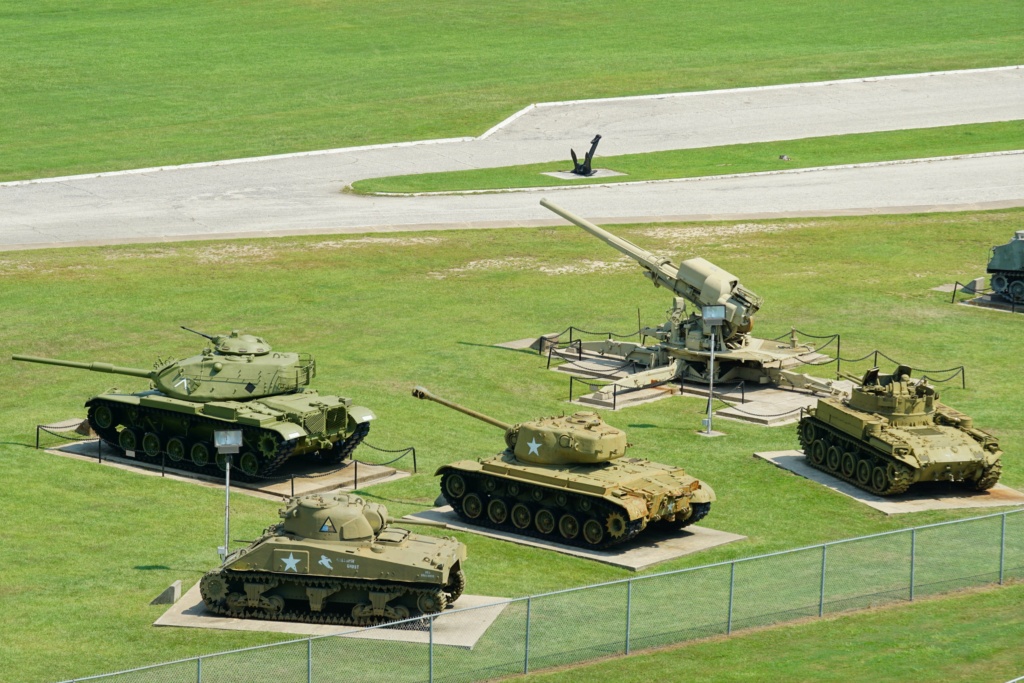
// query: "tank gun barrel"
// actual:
[[417, 522], [424, 393], [201, 334], [95, 367]]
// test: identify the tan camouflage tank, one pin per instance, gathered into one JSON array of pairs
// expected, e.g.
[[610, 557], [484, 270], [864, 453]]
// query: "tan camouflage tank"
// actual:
[[892, 432], [567, 479], [336, 559]]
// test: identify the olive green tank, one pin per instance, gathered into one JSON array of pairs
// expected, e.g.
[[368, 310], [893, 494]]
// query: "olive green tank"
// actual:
[[567, 479], [1006, 268], [892, 432], [336, 559], [239, 382]]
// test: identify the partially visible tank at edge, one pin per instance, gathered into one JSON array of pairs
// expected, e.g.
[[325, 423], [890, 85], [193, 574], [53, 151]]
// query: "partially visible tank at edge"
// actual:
[[336, 559], [893, 432], [567, 479], [1006, 268], [239, 382]]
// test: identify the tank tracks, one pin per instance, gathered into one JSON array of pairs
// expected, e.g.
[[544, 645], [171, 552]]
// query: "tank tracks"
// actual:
[[343, 450], [885, 477], [616, 528], [1008, 284], [233, 602]]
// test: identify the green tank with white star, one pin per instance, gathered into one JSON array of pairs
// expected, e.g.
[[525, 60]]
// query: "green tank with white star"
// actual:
[[567, 479], [237, 383], [337, 559]]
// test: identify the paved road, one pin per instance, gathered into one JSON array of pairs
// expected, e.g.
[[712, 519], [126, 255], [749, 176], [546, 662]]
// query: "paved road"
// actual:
[[301, 193]]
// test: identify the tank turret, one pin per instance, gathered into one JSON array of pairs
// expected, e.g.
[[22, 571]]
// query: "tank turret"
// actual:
[[238, 382], [567, 479], [337, 559], [892, 432], [580, 438]]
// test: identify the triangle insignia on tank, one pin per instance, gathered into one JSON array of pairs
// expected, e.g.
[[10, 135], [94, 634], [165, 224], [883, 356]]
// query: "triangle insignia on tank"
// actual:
[[328, 527]]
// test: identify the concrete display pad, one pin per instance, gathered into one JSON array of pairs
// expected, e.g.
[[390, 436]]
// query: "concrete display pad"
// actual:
[[993, 302], [309, 478], [651, 547], [460, 626], [920, 497], [569, 175]]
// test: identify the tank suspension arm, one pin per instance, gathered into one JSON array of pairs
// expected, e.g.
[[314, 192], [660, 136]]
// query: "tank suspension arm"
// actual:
[[189, 329], [95, 367], [424, 393]]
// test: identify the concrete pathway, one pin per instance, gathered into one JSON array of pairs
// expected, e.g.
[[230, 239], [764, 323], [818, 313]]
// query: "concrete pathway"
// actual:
[[301, 193]]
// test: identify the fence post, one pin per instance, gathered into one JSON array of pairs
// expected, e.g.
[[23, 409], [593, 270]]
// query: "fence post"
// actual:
[[199, 670], [571, 378], [430, 665], [629, 605], [839, 354], [821, 595], [913, 553], [732, 587], [309, 661], [37, 437], [875, 363], [1002, 550], [963, 377], [526, 653]]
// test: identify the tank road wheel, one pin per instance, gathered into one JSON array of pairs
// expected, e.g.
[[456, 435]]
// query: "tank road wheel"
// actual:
[[175, 450], [864, 473], [808, 431], [999, 283], [151, 444], [222, 462], [544, 521], [593, 532], [490, 485], [472, 506], [497, 511], [455, 485], [537, 494], [428, 603], [1017, 291], [513, 489], [561, 499], [249, 464], [569, 527], [585, 504], [128, 440], [849, 465], [521, 516], [616, 524], [103, 417], [200, 454], [833, 457], [817, 452], [879, 479]]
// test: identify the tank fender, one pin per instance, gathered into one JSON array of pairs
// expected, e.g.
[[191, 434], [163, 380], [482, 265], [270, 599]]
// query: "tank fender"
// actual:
[[287, 430], [704, 494], [635, 506], [127, 399], [465, 465], [360, 414]]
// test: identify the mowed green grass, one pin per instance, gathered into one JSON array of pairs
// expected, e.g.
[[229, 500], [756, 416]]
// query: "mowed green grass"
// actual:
[[86, 547], [116, 84], [710, 161]]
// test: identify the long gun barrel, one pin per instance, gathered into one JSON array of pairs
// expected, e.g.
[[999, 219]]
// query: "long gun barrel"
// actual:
[[422, 392], [201, 334], [95, 367]]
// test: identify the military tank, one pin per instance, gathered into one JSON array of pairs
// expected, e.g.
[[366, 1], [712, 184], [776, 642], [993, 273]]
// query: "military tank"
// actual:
[[892, 432], [336, 559], [567, 479], [238, 382], [1007, 269]]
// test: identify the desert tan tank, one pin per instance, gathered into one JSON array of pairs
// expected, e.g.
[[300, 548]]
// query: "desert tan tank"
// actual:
[[567, 479], [892, 432], [336, 559]]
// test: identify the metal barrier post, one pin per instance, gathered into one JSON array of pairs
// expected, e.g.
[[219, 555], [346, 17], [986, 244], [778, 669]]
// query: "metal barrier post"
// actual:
[[913, 553], [953, 299], [99, 450], [963, 377], [1002, 550], [821, 594], [629, 610], [414, 468], [526, 653], [839, 354], [875, 364], [732, 587], [199, 670], [309, 661], [293, 484], [37, 437], [430, 665], [355, 477], [163, 464], [571, 378]]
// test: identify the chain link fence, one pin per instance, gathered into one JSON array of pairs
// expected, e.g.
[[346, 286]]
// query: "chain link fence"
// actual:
[[581, 624]]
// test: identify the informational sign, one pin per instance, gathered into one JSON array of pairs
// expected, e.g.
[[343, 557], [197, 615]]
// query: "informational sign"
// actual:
[[713, 315], [227, 441]]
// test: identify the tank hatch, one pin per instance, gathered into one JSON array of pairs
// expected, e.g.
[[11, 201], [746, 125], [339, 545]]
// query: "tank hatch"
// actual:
[[581, 438], [236, 343], [332, 517]]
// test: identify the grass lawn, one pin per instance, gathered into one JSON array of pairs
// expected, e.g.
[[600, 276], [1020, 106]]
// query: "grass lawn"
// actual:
[[116, 84], [709, 161], [87, 547]]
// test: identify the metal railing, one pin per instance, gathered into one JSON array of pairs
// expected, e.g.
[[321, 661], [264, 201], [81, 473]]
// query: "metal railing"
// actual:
[[618, 617]]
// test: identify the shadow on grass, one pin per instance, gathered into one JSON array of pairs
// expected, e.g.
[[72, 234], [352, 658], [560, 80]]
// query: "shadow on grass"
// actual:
[[150, 567], [527, 351], [18, 443]]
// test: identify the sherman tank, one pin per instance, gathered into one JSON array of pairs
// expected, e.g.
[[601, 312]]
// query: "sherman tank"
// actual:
[[567, 479], [336, 559], [1006, 268], [892, 432], [238, 382]]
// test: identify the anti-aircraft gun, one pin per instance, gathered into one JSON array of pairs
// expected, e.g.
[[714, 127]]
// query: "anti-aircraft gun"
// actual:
[[238, 383], [683, 343], [567, 479]]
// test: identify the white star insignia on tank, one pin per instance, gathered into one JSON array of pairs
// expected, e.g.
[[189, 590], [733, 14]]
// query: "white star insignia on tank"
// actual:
[[534, 447], [291, 563]]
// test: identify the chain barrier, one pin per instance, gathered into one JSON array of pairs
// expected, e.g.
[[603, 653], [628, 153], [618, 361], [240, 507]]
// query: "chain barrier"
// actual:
[[55, 429], [968, 289]]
